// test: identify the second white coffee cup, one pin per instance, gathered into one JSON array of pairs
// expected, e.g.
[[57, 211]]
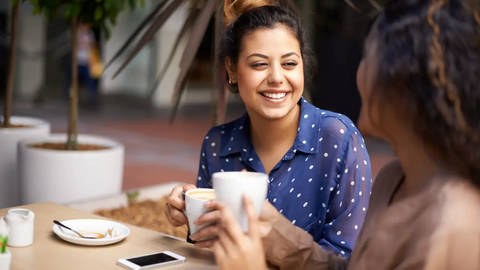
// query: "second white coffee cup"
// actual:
[[231, 186], [194, 206]]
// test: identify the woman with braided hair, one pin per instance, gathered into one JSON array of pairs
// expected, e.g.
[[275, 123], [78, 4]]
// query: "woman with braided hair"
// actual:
[[419, 81]]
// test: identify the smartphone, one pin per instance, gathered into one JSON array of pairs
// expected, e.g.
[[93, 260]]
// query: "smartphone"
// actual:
[[150, 261]]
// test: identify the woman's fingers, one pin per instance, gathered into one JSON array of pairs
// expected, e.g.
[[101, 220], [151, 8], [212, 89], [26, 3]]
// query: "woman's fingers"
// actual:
[[253, 223], [206, 243], [230, 225], [188, 187], [205, 232], [174, 198], [220, 254], [213, 216], [168, 215], [212, 204], [175, 217], [228, 243], [175, 205], [178, 215]]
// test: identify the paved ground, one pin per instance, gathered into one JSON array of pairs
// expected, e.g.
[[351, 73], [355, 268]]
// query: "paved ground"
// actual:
[[156, 152]]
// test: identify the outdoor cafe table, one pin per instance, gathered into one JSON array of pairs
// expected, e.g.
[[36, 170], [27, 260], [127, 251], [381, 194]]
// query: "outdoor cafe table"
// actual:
[[49, 252]]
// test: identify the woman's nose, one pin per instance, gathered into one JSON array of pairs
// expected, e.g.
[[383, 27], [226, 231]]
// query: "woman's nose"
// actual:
[[276, 75]]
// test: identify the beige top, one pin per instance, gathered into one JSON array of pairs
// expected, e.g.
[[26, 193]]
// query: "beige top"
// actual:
[[436, 229]]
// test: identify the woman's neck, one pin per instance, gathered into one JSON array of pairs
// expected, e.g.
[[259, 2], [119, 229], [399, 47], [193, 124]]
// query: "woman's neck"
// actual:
[[420, 165], [267, 134]]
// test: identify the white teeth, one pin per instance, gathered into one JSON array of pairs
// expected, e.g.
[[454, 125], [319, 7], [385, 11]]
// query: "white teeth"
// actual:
[[275, 96]]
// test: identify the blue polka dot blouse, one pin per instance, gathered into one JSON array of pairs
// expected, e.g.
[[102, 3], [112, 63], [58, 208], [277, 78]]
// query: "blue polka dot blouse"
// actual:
[[322, 184]]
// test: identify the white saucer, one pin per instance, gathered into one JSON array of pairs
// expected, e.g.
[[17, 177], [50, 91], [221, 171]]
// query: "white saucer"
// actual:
[[90, 226]]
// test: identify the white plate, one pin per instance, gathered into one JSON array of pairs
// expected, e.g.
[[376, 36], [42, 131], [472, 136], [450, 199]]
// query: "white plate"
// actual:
[[90, 226]]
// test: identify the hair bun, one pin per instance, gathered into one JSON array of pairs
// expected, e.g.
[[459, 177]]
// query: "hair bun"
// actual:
[[234, 8]]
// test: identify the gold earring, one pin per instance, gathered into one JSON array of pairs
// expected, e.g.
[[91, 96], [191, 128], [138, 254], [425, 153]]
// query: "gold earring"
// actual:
[[231, 82]]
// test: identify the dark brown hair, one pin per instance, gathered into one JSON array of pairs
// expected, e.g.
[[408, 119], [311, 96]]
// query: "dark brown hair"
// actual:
[[428, 66], [245, 16]]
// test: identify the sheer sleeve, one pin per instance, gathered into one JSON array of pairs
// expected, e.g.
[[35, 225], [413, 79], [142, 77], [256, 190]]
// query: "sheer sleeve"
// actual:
[[348, 206]]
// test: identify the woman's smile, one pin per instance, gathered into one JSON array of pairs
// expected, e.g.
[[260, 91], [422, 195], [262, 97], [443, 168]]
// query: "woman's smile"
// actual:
[[276, 97]]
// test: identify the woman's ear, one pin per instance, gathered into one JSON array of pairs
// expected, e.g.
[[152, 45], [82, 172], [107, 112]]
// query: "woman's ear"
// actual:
[[231, 69]]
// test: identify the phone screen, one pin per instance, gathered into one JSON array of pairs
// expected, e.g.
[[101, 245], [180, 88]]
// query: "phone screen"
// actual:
[[152, 259]]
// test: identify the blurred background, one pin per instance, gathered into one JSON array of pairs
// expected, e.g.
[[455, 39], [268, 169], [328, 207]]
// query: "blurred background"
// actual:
[[159, 154]]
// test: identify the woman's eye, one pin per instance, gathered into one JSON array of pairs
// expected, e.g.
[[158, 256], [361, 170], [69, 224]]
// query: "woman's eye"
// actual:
[[256, 65], [291, 64]]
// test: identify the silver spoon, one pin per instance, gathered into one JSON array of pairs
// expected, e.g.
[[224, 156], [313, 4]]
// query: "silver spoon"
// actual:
[[79, 234]]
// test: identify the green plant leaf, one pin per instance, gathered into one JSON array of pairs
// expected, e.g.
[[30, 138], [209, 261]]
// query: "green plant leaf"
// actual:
[[67, 13], [14, 2], [36, 10], [109, 4], [76, 9], [132, 3], [113, 19], [98, 13]]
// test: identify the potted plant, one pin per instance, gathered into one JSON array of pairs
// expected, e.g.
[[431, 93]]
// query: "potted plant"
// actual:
[[71, 167], [14, 128]]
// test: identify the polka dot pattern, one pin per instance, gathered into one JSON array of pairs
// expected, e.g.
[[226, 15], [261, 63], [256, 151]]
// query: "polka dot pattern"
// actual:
[[321, 180]]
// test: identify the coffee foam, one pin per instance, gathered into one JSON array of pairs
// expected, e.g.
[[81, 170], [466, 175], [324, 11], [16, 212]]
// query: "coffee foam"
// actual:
[[202, 195]]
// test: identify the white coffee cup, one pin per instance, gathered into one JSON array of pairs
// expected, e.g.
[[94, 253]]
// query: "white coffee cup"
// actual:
[[194, 206], [231, 186], [21, 224]]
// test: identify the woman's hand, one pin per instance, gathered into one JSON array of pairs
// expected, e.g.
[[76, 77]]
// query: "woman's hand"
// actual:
[[267, 217], [236, 250], [175, 205]]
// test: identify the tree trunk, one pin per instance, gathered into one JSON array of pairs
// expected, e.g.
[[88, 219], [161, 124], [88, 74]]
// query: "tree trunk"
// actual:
[[11, 69], [72, 143]]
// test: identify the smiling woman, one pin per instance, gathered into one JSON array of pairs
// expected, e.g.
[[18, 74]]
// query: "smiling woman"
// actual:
[[269, 72], [318, 166]]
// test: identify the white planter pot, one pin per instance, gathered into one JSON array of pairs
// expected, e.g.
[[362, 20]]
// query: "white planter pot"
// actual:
[[5, 260], [69, 176], [9, 138]]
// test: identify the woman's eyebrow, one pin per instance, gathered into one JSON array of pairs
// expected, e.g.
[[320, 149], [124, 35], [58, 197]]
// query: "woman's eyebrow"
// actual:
[[266, 57]]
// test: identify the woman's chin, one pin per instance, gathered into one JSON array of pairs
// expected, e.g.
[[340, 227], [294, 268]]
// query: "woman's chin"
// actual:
[[274, 114], [365, 127]]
